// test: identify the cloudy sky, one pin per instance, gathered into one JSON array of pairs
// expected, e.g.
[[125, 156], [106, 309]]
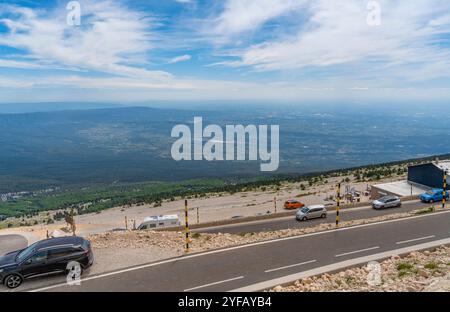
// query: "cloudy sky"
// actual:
[[268, 50]]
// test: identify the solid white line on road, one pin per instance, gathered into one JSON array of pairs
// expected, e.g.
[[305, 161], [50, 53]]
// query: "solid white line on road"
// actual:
[[290, 266], [415, 239], [201, 254], [216, 283], [356, 251]]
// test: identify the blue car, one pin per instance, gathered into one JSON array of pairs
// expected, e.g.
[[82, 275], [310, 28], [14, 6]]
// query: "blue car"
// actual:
[[434, 195]]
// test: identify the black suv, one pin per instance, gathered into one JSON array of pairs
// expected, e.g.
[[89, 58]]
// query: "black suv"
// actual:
[[45, 257]]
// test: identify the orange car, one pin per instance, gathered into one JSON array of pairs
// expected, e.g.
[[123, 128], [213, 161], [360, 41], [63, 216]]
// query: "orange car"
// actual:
[[293, 204]]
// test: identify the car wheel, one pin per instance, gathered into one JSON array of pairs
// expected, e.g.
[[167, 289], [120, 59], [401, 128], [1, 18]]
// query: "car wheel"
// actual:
[[304, 218], [431, 201], [323, 216], [13, 281]]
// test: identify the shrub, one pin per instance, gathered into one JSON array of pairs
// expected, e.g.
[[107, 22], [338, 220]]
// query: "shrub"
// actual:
[[431, 266]]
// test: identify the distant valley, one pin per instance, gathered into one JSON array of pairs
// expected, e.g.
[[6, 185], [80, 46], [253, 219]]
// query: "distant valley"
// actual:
[[72, 148]]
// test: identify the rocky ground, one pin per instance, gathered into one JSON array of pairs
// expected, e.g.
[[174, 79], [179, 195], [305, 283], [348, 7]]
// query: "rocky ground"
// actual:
[[418, 271]]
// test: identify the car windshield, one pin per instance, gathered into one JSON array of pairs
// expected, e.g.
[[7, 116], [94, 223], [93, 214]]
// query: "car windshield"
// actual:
[[384, 199], [430, 193], [24, 254], [305, 210]]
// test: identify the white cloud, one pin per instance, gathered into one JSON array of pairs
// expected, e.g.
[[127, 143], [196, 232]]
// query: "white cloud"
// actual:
[[317, 49], [239, 16], [19, 64], [336, 33], [15, 83], [111, 39], [122, 89], [178, 59]]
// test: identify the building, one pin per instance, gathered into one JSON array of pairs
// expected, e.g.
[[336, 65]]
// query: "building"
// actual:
[[421, 178], [399, 188], [430, 174]]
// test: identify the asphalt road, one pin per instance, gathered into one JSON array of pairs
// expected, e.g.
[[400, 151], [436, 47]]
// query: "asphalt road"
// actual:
[[10, 243], [242, 266], [290, 222]]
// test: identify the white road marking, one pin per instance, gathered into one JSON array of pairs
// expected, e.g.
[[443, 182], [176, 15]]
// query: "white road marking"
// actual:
[[290, 266], [201, 254], [338, 266], [215, 283], [356, 251], [415, 239]]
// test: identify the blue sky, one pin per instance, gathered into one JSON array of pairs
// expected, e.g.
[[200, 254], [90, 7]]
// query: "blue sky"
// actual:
[[192, 50]]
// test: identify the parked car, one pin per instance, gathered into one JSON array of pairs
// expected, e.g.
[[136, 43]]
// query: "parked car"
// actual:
[[293, 204], [435, 195], [387, 202], [45, 257], [311, 212]]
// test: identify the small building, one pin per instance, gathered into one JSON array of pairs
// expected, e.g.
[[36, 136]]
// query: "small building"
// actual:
[[162, 221], [430, 174], [421, 178]]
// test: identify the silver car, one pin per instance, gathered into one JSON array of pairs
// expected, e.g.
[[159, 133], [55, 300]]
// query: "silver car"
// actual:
[[387, 202], [311, 212]]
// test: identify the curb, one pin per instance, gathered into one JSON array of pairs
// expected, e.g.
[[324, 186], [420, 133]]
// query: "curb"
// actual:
[[340, 266]]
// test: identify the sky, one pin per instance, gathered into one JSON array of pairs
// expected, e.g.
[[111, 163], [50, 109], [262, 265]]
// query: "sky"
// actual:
[[227, 50]]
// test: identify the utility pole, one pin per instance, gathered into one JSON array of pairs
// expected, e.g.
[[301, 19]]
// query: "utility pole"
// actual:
[[198, 216], [338, 203], [275, 204], [186, 223]]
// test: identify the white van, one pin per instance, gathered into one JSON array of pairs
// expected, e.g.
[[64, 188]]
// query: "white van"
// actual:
[[162, 221]]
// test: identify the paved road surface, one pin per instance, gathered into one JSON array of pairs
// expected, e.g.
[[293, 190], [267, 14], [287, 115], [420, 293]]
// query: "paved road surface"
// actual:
[[242, 266], [10, 243], [291, 223]]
